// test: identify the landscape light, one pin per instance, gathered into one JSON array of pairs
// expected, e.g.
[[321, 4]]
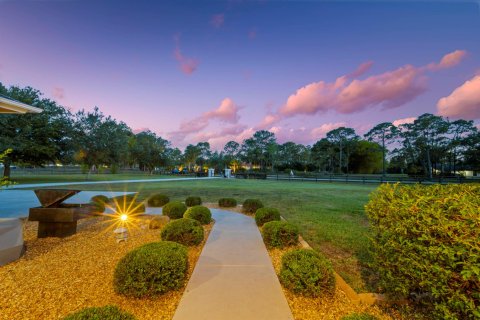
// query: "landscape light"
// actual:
[[123, 217]]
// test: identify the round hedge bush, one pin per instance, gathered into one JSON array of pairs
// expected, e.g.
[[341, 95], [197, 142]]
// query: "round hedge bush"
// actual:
[[359, 316], [306, 272], [174, 209], [193, 201], [279, 234], [185, 231], [264, 215], [200, 213], [227, 202], [152, 269], [252, 205], [158, 222], [158, 200], [100, 313]]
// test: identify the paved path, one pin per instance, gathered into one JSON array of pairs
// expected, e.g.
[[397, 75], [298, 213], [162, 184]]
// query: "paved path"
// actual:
[[59, 184], [16, 203], [234, 277]]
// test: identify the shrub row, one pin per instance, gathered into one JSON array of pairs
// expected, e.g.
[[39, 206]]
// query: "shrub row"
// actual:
[[279, 234], [306, 272], [193, 201], [251, 205], [227, 202], [264, 215], [425, 245], [186, 231], [152, 269], [200, 213]]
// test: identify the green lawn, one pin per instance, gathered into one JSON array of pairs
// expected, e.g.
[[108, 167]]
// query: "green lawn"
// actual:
[[22, 179], [330, 215]]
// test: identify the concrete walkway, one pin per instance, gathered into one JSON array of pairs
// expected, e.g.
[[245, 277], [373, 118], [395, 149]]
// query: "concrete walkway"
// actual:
[[59, 184], [234, 277]]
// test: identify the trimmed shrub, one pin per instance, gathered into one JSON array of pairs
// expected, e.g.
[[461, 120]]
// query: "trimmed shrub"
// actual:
[[307, 272], [98, 202], [158, 222], [100, 313], [359, 316], [227, 202], [185, 231], [193, 201], [158, 200], [425, 246], [174, 209], [200, 213], [279, 234], [152, 269], [252, 205], [264, 215]]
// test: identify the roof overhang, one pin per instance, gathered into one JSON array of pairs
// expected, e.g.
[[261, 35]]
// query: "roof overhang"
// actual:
[[13, 106]]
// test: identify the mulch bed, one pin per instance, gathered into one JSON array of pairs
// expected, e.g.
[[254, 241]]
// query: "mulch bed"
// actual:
[[56, 276]]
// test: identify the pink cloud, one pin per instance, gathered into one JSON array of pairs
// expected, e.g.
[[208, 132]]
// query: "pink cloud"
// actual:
[[348, 94], [398, 122], [463, 102], [187, 65], [449, 60], [320, 132], [217, 20], [58, 93], [252, 34], [389, 90], [226, 112]]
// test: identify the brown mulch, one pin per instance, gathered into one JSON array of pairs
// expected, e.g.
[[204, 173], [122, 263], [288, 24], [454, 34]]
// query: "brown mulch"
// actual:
[[56, 276]]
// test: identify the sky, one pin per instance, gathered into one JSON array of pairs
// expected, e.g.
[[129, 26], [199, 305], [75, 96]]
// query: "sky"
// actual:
[[217, 71]]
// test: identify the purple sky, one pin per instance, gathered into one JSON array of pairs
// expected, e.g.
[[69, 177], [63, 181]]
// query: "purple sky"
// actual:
[[218, 71]]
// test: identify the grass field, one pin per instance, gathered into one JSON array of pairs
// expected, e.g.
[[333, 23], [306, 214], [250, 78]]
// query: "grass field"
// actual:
[[330, 215]]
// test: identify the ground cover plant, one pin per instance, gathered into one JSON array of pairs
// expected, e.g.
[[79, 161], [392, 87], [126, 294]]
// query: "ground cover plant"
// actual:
[[174, 209], [264, 215], [426, 246], [306, 272], [186, 231], [158, 200], [200, 213], [100, 313], [330, 216]]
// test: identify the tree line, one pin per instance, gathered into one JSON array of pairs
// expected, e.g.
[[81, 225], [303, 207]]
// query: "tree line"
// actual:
[[431, 145]]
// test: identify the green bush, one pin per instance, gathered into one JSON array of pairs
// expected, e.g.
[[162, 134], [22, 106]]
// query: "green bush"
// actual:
[[279, 234], [306, 272], [200, 213], [185, 231], [158, 200], [100, 313], [152, 269], [193, 201], [264, 215], [252, 205], [227, 202], [359, 316], [98, 202], [425, 246], [158, 222], [174, 209]]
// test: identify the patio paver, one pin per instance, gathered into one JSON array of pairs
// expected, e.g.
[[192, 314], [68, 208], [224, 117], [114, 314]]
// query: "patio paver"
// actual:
[[234, 277]]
